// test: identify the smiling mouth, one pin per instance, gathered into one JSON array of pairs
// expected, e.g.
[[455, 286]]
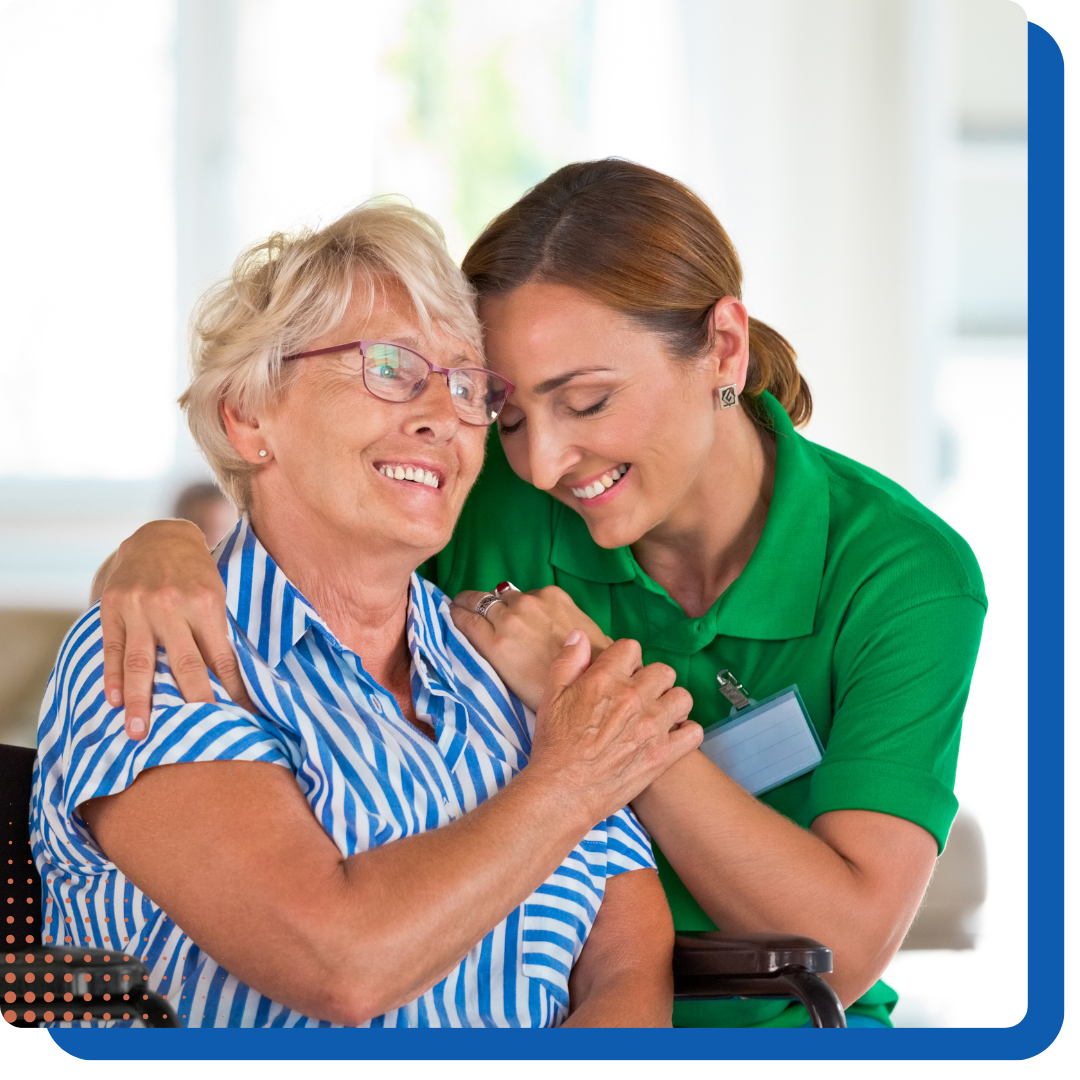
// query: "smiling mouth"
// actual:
[[601, 483], [411, 474]]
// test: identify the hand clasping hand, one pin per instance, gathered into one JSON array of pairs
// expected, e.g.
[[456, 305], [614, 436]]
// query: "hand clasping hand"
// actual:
[[606, 729]]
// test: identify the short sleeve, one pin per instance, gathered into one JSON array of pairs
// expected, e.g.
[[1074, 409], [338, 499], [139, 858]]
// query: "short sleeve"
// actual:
[[84, 753], [902, 681], [628, 844]]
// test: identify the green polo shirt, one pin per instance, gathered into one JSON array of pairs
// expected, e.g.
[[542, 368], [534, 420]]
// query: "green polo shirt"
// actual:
[[855, 591]]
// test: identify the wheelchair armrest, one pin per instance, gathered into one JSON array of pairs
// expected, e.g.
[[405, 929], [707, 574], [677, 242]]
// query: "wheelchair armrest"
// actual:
[[50, 985], [709, 964], [711, 952]]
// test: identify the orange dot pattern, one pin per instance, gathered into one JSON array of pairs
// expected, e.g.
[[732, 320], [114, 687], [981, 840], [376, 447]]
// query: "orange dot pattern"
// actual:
[[36, 985], [38, 982], [109, 992]]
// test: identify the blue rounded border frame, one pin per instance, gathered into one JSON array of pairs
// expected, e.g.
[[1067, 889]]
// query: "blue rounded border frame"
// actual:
[[1046, 773]]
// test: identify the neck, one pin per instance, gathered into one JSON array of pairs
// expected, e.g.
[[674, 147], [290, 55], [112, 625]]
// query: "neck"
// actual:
[[361, 595], [704, 545]]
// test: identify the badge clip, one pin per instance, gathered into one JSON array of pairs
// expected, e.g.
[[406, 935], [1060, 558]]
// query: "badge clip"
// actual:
[[732, 689]]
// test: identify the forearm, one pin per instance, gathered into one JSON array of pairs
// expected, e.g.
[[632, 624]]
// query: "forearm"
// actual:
[[753, 870], [601, 736], [749, 867], [232, 852], [413, 909]]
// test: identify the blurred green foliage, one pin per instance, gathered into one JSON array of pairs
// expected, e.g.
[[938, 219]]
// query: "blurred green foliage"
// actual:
[[473, 107]]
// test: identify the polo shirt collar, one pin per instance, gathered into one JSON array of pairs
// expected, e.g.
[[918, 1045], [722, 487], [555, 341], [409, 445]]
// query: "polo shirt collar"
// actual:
[[775, 597]]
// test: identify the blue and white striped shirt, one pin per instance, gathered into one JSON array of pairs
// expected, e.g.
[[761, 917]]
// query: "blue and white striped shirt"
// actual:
[[370, 776]]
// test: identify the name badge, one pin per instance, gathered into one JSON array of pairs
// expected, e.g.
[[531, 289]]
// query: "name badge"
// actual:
[[762, 744]]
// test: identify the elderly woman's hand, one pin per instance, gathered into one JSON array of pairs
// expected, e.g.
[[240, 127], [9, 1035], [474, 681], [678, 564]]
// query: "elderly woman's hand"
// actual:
[[162, 588], [523, 633], [606, 730]]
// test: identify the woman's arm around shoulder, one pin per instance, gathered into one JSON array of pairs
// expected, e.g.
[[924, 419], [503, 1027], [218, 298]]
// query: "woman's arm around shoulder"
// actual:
[[161, 587]]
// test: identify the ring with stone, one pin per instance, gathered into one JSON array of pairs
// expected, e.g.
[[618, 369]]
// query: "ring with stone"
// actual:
[[486, 601], [505, 586]]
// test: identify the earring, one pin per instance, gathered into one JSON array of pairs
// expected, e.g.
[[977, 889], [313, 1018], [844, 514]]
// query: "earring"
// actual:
[[262, 453], [726, 396]]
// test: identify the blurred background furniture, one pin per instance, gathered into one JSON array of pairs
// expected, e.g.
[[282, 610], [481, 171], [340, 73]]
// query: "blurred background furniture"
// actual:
[[29, 642], [948, 917]]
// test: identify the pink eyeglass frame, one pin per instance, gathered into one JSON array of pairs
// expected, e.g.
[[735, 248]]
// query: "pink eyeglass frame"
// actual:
[[363, 346]]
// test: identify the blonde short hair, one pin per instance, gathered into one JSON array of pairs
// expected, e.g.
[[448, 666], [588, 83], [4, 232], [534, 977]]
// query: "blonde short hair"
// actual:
[[289, 290]]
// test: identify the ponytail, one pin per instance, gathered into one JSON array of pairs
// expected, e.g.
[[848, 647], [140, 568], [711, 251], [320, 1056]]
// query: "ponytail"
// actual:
[[772, 367]]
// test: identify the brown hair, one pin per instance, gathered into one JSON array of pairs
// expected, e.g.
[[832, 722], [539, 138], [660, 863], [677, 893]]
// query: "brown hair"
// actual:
[[647, 246]]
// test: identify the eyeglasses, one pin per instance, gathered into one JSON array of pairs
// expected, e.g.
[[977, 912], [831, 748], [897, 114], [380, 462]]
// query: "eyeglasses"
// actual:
[[395, 373]]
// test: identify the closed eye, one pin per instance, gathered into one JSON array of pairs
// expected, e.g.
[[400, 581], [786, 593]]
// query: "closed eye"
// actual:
[[592, 410], [511, 429]]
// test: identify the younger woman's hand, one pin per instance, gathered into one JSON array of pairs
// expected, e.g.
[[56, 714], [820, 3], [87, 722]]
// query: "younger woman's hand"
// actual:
[[163, 588], [521, 635]]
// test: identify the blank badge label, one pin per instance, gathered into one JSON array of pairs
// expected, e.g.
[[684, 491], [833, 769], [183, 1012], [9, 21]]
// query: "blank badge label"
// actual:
[[766, 745]]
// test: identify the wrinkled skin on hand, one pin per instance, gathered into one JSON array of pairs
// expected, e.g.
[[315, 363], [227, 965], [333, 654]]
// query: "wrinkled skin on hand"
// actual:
[[606, 729]]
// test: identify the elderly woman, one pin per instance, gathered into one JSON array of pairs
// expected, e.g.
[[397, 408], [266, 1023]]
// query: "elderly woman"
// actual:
[[391, 837]]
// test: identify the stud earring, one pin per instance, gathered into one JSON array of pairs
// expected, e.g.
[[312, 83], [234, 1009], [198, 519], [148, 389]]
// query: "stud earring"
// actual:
[[262, 453], [726, 396]]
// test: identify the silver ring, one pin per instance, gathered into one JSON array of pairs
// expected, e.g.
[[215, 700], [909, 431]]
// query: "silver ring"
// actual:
[[486, 601]]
